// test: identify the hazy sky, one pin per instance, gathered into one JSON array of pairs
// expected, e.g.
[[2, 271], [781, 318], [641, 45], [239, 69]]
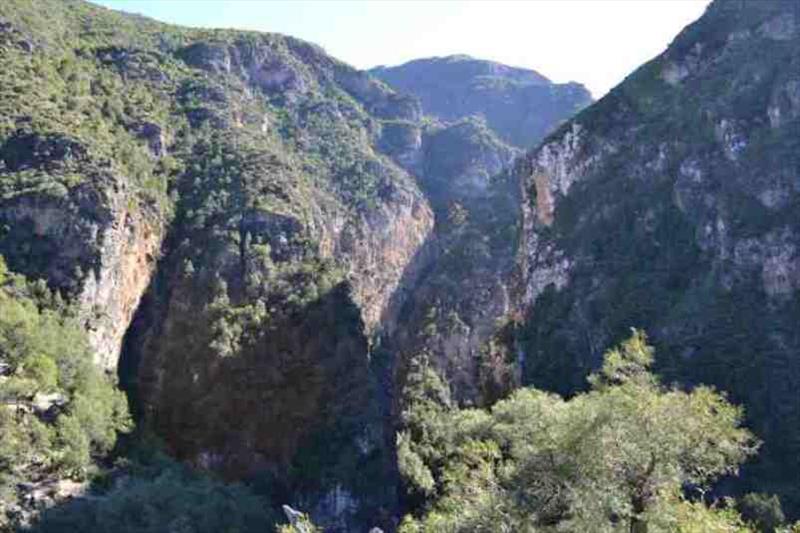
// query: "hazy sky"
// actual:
[[596, 42]]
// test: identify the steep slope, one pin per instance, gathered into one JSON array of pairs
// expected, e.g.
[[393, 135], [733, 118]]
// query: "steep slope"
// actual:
[[478, 114], [520, 105], [256, 237], [671, 205], [232, 180], [461, 286]]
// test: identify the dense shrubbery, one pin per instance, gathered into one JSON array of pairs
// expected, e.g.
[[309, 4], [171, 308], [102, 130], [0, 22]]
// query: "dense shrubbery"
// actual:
[[57, 409], [629, 455], [156, 494]]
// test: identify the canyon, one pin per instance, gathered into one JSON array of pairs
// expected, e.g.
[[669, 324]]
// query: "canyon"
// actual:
[[259, 240]]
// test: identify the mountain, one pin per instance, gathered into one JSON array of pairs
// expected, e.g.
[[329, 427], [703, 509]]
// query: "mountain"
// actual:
[[520, 105], [254, 238], [671, 205], [263, 246]]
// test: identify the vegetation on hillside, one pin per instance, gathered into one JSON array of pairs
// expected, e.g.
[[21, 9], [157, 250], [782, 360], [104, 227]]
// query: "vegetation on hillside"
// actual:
[[105, 115], [147, 492], [261, 151], [58, 412], [60, 418], [684, 222]]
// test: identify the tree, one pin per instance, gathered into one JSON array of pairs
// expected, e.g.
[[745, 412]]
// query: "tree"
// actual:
[[57, 409], [617, 458], [423, 439]]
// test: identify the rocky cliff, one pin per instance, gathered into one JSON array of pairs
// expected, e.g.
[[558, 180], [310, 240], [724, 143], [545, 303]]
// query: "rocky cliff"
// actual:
[[462, 171], [260, 239], [255, 236], [231, 183], [520, 105], [671, 205]]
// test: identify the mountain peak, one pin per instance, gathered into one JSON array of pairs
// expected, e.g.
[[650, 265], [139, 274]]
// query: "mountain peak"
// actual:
[[463, 67], [519, 104]]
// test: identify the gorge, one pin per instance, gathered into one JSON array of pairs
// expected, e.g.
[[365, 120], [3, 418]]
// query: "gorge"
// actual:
[[261, 242]]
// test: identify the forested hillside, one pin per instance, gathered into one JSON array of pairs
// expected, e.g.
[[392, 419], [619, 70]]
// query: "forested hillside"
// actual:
[[246, 287], [671, 205]]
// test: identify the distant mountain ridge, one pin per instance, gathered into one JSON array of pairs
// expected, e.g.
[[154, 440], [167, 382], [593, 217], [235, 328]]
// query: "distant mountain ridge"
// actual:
[[520, 105]]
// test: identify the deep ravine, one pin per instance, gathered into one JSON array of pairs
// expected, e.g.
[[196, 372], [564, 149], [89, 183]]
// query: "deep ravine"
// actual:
[[260, 241]]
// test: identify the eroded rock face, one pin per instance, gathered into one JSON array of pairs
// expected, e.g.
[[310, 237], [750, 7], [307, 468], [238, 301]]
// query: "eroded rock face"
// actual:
[[460, 167], [669, 205], [111, 294], [381, 247], [106, 275], [90, 242]]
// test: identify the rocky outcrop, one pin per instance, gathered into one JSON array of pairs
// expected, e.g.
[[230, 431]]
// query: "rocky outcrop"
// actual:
[[92, 242], [12, 36], [380, 249], [106, 276], [111, 294]]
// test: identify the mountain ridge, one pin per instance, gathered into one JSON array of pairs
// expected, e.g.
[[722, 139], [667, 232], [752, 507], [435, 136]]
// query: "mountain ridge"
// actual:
[[263, 243], [520, 104], [207, 201]]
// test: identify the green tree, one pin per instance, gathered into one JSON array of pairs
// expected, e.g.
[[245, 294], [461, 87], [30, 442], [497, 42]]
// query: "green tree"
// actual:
[[424, 438], [58, 411], [616, 458]]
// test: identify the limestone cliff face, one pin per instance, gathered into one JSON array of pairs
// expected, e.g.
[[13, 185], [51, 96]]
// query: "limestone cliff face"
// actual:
[[90, 242], [379, 248], [670, 205], [461, 168], [544, 178], [110, 296]]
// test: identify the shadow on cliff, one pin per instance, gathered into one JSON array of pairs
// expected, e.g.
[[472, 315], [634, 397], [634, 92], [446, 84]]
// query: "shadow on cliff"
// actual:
[[295, 412]]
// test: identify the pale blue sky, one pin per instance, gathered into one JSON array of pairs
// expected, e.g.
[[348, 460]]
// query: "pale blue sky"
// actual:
[[596, 42]]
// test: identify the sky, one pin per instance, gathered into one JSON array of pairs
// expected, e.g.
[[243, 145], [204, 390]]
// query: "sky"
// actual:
[[595, 42]]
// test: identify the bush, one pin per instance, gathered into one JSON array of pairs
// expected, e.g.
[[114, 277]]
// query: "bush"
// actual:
[[173, 500], [617, 457], [57, 409], [762, 511]]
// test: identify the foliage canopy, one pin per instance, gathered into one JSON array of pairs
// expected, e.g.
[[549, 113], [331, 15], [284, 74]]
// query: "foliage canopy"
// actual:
[[628, 455]]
